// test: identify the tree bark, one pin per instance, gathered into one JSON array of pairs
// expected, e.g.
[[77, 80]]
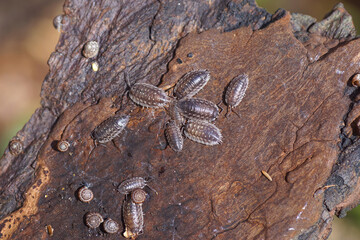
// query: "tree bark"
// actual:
[[298, 122]]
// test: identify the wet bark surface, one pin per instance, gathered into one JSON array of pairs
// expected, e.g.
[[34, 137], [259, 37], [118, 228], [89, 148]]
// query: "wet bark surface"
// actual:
[[298, 122]]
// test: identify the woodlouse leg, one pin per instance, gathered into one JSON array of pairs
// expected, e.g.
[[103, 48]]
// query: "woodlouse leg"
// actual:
[[113, 142], [219, 106], [229, 110]]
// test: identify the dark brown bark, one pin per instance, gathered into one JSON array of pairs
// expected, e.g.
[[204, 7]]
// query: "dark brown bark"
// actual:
[[298, 123]]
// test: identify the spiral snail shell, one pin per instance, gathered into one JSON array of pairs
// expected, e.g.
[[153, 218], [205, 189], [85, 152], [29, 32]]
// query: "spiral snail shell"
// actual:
[[85, 194], [138, 196], [93, 219]]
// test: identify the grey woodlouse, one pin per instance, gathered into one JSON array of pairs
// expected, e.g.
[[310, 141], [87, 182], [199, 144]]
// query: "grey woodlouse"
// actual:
[[355, 80], [175, 114], [147, 95], [203, 132], [133, 219], [63, 146], [132, 183], [191, 83], [85, 194], [91, 49], [235, 91], [174, 136], [15, 147], [110, 128], [93, 220], [110, 226], [138, 196], [196, 108]]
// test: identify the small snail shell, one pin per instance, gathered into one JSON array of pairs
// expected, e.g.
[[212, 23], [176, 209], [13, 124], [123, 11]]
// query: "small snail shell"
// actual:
[[355, 81], [93, 220], [15, 147], [85, 194], [138, 196], [110, 226], [91, 49], [63, 146]]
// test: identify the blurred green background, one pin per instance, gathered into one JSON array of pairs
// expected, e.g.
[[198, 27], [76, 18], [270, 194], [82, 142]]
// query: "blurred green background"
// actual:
[[28, 37]]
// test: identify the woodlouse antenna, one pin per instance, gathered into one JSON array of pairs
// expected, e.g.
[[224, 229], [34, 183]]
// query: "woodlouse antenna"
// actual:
[[230, 110]]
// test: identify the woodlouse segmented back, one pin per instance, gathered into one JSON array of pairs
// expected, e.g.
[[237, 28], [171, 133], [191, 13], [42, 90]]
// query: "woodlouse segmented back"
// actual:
[[235, 91], [203, 132], [148, 95], [175, 114], [130, 184], [191, 83], [133, 219], [110, 128], [196, 108], [174, 136]]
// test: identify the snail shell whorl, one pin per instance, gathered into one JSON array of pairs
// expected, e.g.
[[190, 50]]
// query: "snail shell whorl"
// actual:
[[85, 194], [15, 147], [63, 146], [93, 220], [138, 196], [110, 226]]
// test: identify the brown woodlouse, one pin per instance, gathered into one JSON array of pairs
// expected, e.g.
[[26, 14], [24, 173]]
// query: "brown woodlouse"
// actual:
[[91, 49], [93, 220], [133, 219], [85, 194], [138, 196], [235, 91], [147, 95], [191, 83], [110, 128], [110, 226], [355, 80], [174, 136], [203, 132], [15, 147], [196, 108], [63, 146], [132, 183]]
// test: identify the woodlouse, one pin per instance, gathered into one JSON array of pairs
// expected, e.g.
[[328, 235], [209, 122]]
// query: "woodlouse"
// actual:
[[355, 80], [138, 196], [130, 184], [203, 132], [147, 95], [133, 219], [15, 147], [235, 91], [175, 115], [85, 194], [174, 136], [110, 226], [110, 128], [191, 83], [90, 49], [93, 220], [63, 146], [196, 108]]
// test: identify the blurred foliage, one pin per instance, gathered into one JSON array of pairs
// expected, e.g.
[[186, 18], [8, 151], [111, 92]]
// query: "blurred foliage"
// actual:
[[317, 9]]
